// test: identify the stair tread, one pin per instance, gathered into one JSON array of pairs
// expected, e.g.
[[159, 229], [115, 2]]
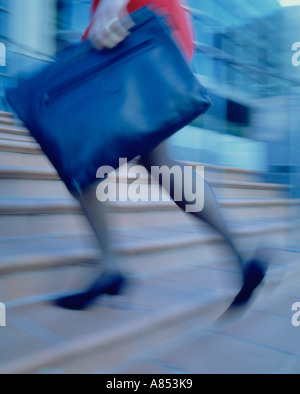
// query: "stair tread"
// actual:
[[19, 205], [30, 172], [217, 168], [112, 327], [27, 288], [60, 335], [6, 114], [16, 137], [14, 129], [16, 205], [20, 147], [27, 172], [4, 120], [43, 251]]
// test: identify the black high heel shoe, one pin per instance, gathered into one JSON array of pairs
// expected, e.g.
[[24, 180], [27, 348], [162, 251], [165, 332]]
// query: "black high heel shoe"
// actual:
[[254, 275], [107, 284]]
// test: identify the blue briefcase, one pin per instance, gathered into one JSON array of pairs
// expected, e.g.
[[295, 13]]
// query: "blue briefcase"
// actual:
[[91, 107]]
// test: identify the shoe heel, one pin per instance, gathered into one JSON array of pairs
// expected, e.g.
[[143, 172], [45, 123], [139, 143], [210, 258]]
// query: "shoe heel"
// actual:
[[117, 288]]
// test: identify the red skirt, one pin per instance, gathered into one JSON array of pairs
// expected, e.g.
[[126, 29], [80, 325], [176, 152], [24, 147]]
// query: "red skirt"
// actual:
[[180, 22]]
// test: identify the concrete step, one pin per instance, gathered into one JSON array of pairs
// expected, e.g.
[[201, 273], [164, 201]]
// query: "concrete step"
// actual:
[[35, 282], [37, 252], [12, 129], [30, 160], [59, 340], [248, 190], [29, 153], [46, 184], [25, 181], [134, 214], [16, 137], [61, 265], [5, 120], [261, 341], [229, 173], [29, 148], [5, 114], [154, 311], [21, 181], [21, 217]]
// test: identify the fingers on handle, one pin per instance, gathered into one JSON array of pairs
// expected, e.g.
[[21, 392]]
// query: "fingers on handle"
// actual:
[[112, 35]]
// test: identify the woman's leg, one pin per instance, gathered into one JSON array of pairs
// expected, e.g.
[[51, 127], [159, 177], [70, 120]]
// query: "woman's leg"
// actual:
[[254, 271], [110, 281], [210, 213], [95, 211], [96, 214]]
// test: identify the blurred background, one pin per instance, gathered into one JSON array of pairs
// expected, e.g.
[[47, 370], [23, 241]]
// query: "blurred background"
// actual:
[[183, 276]]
